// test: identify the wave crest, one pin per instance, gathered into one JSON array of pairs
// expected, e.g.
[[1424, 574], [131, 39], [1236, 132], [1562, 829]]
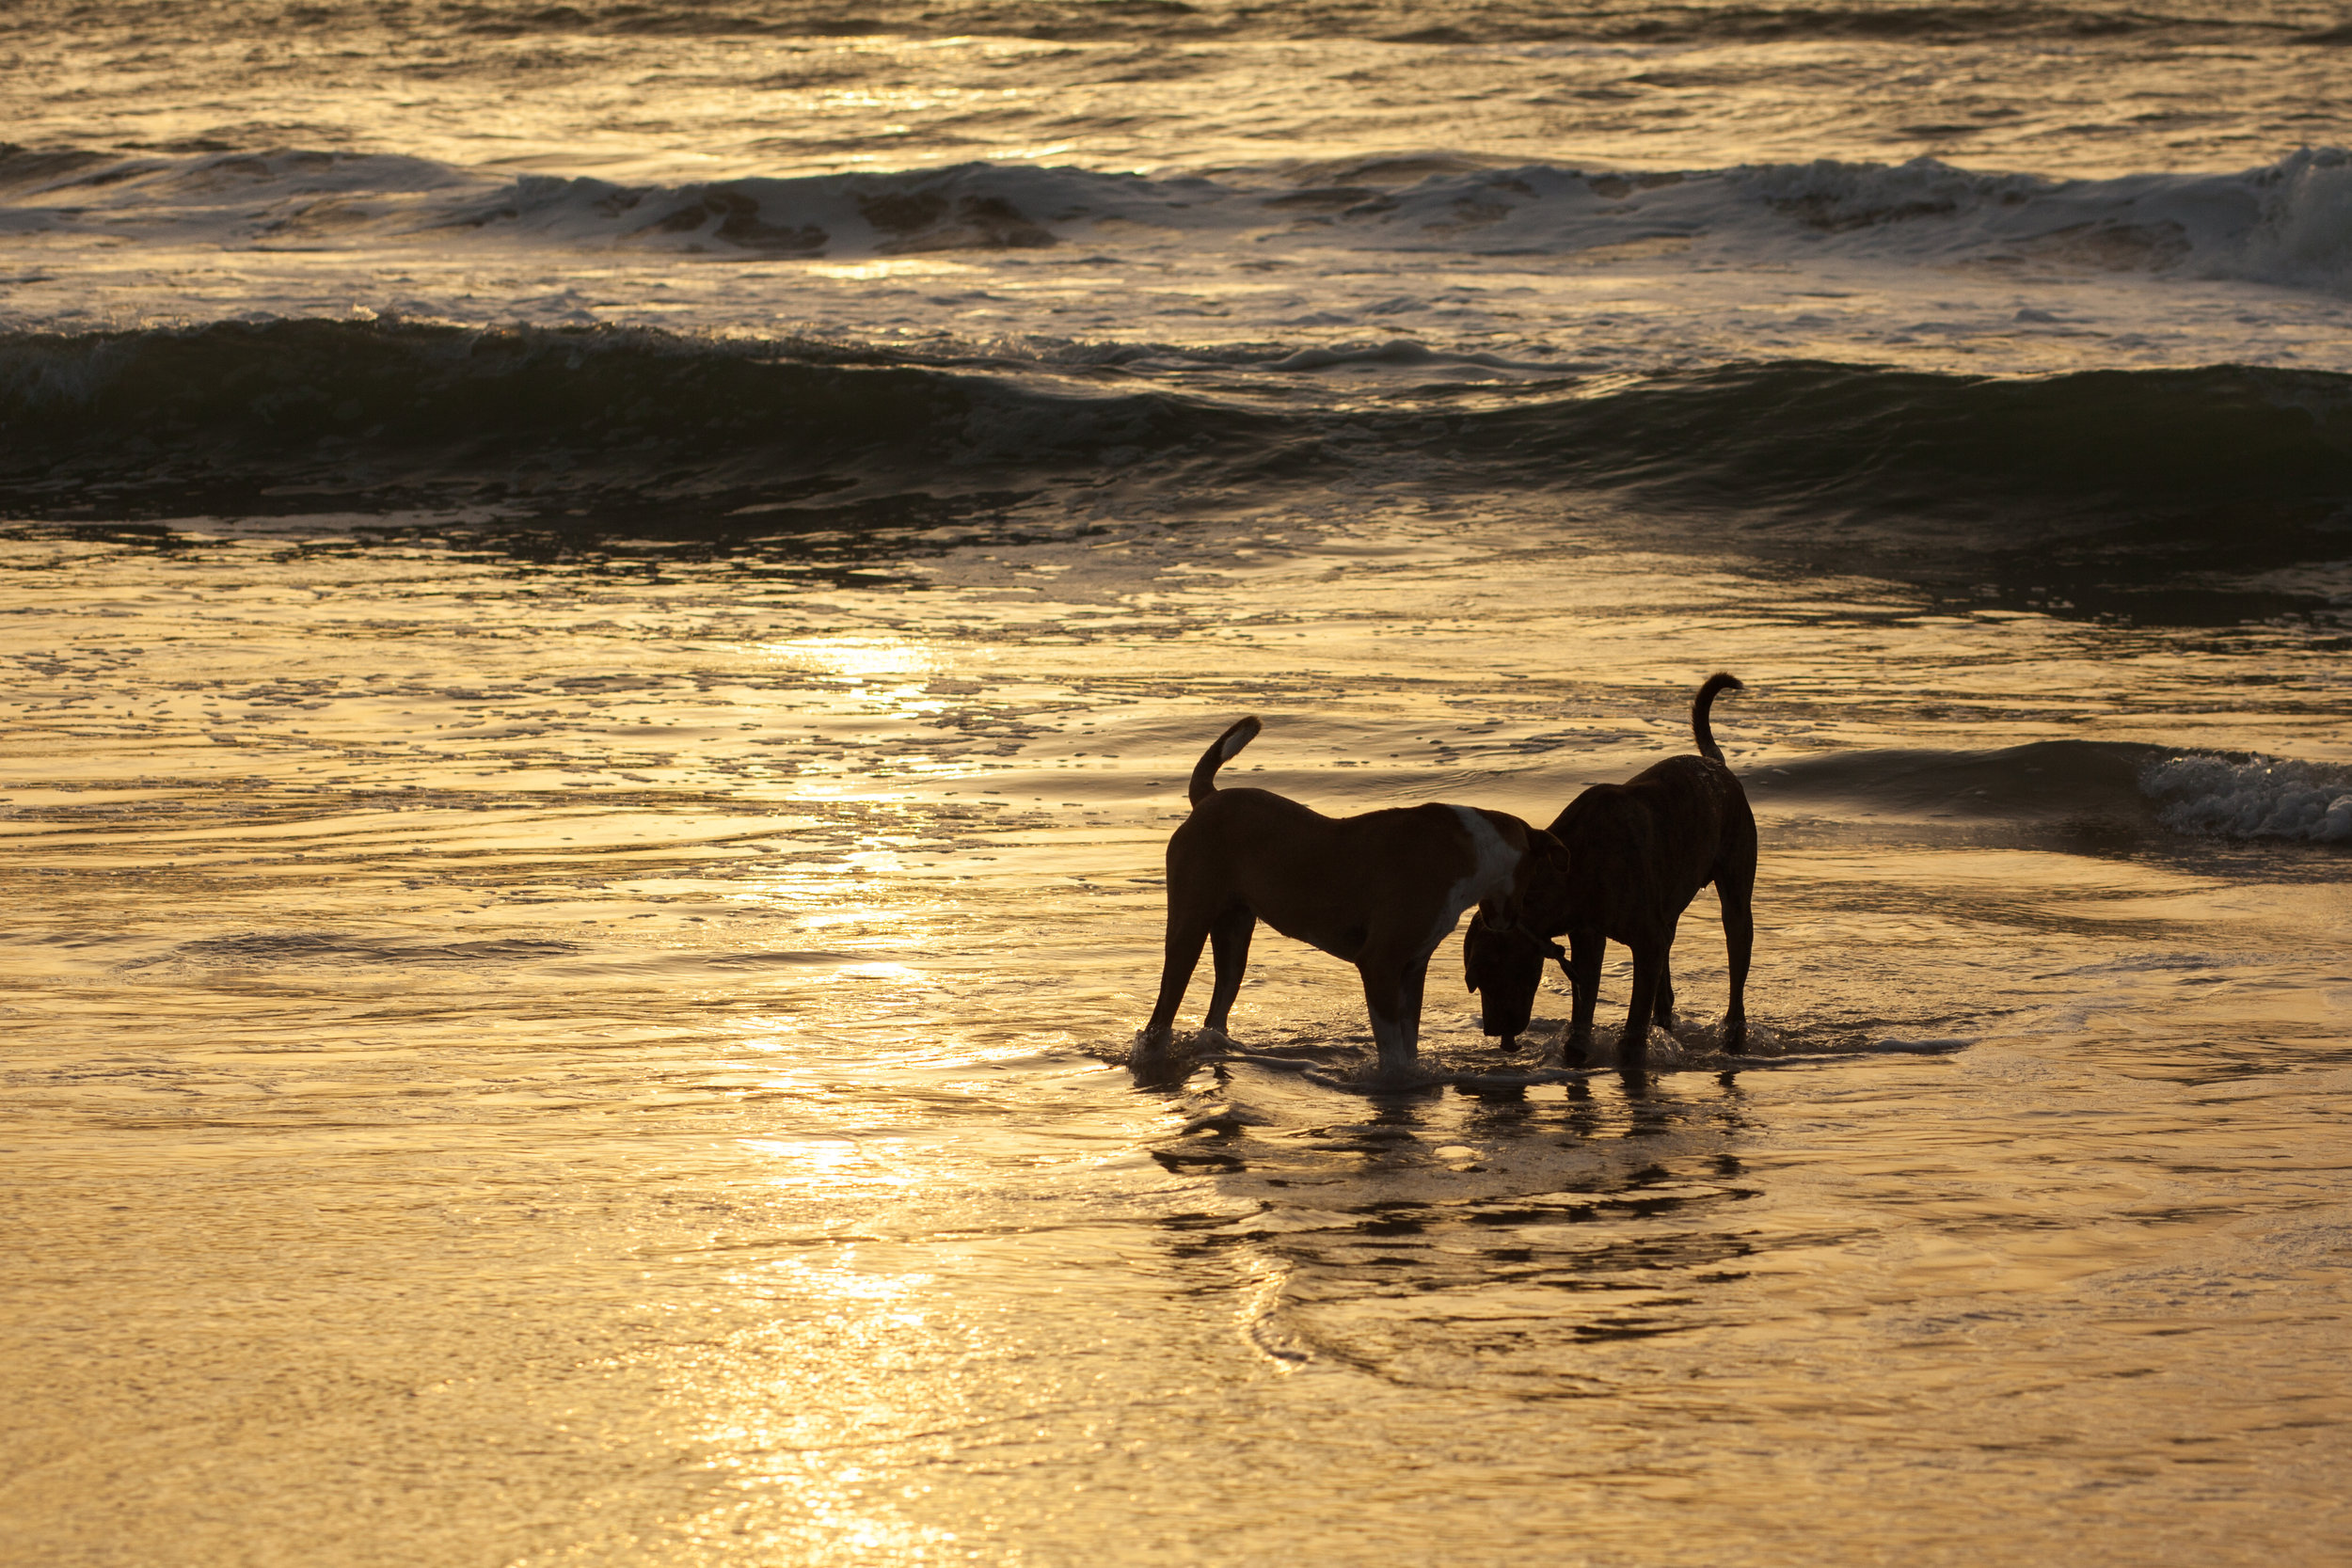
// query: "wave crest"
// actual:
[[2289, 222], [2305, 231]]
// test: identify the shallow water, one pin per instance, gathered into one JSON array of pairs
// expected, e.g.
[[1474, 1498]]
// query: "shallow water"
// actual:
[[606, 1062], [607, 610]]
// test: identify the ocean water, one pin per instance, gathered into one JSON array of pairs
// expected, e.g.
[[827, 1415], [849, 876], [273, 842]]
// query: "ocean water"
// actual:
[[607, 607]]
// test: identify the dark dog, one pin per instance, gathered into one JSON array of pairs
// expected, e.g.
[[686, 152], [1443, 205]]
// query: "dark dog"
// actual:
[[1638, 853], [1380, 891]]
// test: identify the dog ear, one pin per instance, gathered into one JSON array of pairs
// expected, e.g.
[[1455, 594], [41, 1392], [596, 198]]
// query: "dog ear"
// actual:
[[1563, 862]]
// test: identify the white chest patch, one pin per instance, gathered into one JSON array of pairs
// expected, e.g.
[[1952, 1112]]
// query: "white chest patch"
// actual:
[[1490, 873], [1492, 863]]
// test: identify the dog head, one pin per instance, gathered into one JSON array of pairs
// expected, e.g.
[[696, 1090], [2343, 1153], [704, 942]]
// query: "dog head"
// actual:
[[1505, 967], [1504, 952]]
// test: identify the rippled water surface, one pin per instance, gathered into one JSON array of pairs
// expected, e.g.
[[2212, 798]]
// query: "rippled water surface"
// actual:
[[658, 89], [617, 1060]]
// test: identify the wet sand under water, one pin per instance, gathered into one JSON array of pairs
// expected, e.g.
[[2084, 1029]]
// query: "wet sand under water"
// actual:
[[617, 1061]]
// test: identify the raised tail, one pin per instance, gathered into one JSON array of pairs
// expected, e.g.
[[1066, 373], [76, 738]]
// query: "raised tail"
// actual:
[[1220, 752], [1700, 730]]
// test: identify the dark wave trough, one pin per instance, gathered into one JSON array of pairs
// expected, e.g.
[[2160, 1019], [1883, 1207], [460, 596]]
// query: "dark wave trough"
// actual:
[[2143, 472]]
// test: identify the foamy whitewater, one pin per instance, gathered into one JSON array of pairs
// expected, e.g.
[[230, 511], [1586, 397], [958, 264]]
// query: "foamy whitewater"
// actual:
[[608, 606]]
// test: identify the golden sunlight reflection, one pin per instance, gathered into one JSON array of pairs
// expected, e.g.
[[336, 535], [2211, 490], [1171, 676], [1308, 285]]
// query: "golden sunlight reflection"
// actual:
[[1040, 149], [871, 271], [901, 973], [855, 655], [823, 1163]]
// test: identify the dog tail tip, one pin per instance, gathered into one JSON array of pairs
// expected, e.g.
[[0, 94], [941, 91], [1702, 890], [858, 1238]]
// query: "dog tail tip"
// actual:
[[1701, 731], [1221, 751]]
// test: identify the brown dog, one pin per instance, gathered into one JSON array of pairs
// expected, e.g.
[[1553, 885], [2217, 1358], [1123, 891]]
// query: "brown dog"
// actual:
[[1379, 890], [1638, 853]]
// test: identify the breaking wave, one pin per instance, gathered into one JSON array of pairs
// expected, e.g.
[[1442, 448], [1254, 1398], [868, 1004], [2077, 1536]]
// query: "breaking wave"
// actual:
[[2205, 794], [2289, 222], [2258, 797]]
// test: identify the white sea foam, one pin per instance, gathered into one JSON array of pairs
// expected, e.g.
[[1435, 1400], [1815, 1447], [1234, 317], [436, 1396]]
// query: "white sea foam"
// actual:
[[2305, 230], [2289, 222], [1370, 272], [2254, 798]]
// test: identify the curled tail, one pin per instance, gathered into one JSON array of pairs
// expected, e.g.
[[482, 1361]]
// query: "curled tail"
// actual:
[[1221, 752], [1700, 730]]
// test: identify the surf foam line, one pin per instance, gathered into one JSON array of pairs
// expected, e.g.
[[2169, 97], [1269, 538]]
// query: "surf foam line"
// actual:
[[2221, 468], [2288, 222], [2251, 798]]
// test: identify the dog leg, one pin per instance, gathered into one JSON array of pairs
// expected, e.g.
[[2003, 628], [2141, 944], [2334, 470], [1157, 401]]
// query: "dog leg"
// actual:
[[1228, 948], [1649, 961], [1664, 1013], [1185, 937], [1416, 978], [1384, 999], [1585, 951], [1739, 943]]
